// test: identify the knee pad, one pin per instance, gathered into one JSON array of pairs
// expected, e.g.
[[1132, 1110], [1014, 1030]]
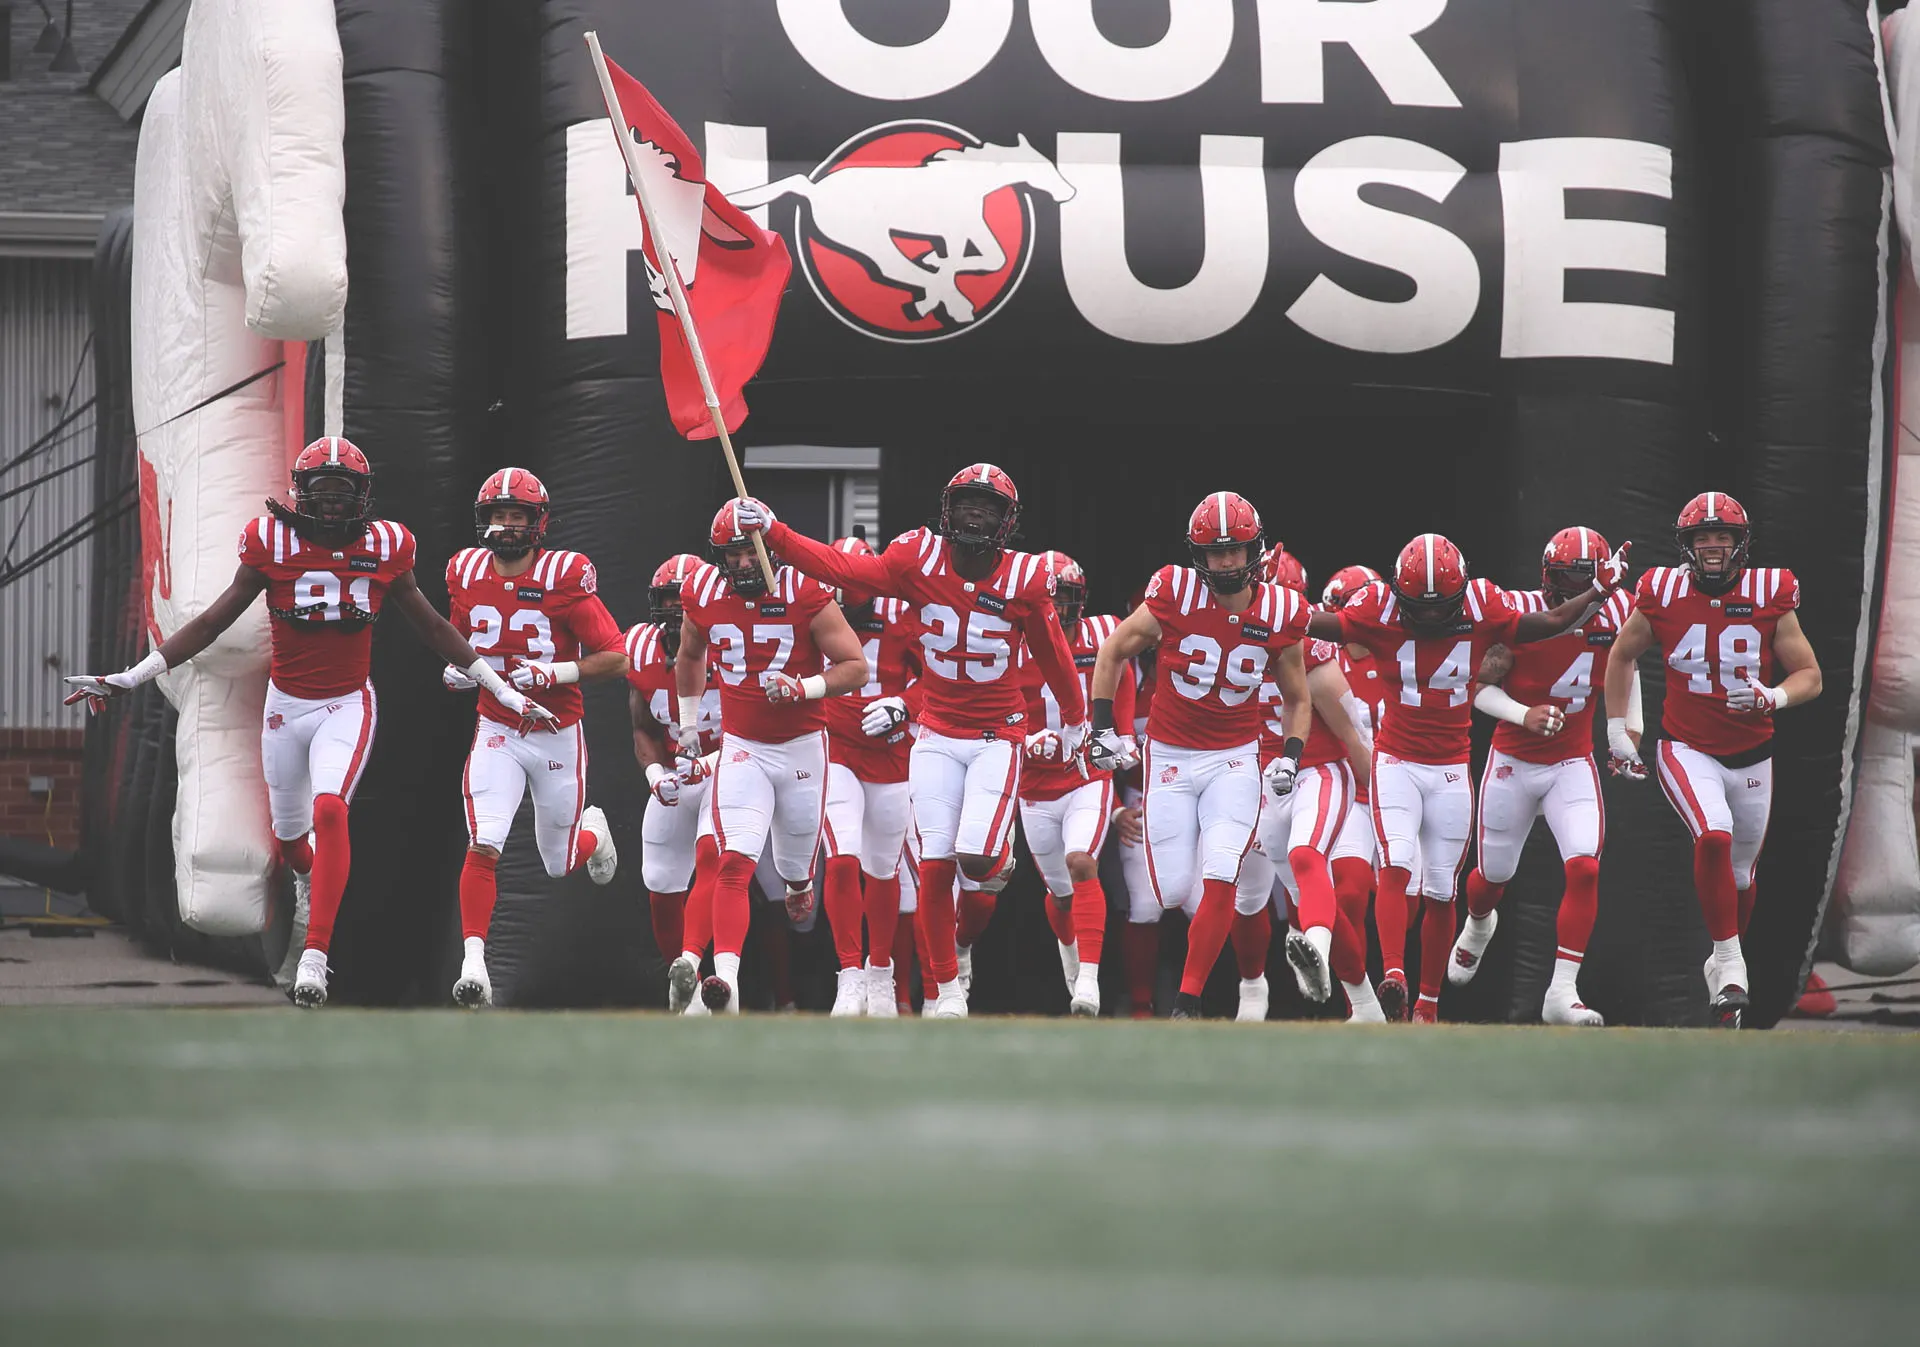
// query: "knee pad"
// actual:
[[1712, 848], [329, 811], [1583, 869]]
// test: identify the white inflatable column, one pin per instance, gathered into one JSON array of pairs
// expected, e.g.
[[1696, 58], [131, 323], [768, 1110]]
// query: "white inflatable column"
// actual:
[[238, 246]]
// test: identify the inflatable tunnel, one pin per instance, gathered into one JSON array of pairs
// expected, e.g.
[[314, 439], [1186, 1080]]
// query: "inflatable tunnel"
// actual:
[[1383, 267]]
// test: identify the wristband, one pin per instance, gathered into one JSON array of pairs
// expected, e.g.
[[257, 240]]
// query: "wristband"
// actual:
[[568, 672], [487, 677], [689, 711], [1294, 748], [1780, 699], [813, 687], [654, 772], [1102, 714], [149, 668], [1617, 741], [1497, 702]]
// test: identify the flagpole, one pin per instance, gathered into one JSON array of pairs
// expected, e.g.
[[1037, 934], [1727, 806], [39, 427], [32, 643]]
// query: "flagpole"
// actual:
[[671, 270]]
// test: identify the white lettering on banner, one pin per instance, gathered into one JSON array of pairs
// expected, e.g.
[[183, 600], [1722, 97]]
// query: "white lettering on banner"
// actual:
[[1093, 247], [736, 158], [1295, 33], [1543, 245], [1199, 33], [965, 43], [1446, 279]]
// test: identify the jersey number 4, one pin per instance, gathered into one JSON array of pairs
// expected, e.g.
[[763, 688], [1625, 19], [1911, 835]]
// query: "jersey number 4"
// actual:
[[1739, 657]]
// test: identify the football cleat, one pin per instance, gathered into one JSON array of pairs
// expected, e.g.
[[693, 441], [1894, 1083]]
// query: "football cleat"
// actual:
[[850, 996], [882, 1000], [1426, 1010], [310, 983], [716, 994], [1469, 947], [474, 988], [1069, 963], [1726, 992], [1309, 961], [1392, 994], [1817, 1000], [1185, 1006], [1364, 1009], [1569, 1011], [1085, 1000], [683, 979], [605, 859], [951, 1003], [1253, 1000], [297, 934]]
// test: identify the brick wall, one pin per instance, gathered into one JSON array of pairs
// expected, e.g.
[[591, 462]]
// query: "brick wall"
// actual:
[[54, 754]]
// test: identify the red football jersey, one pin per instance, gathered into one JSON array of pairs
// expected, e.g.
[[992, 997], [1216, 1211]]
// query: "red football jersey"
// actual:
[[321, 648], [889, 636], [1430, 713], [1322, 745], [1050, 780], [549, 612], [1713, 643], [970, 630], [652, 674], [1211, 662], [751, 638], [1567, 670], [1366, 684]]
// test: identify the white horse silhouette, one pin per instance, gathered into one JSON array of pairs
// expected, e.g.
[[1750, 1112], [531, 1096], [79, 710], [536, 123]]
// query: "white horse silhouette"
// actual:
[[862, 210]]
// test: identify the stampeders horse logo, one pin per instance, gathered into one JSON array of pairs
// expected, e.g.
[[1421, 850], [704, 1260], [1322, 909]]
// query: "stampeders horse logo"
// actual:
[[916, 230]]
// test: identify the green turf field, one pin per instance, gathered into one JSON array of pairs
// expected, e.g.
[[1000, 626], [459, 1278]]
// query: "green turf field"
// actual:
[[201, 1177]]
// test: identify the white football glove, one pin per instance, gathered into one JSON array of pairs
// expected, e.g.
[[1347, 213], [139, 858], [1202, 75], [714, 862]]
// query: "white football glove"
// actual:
[[1074, 737], [1610, 574], [95, 689], [454, 679], [884, 715], [782, 689], [1132, 758], [686, 741], [695, 770], [533, 716], [1623, 759], [1755, 698], [530, 675], [1108, 752], [752, 515], [664, 784], [1280, 775], [1046, 746]]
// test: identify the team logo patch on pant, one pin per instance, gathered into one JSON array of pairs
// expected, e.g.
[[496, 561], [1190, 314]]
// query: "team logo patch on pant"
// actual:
[[496, 741], [275, 721]]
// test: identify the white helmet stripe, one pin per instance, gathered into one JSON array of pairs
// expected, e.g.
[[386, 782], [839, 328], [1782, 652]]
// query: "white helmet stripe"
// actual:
[[1432, 585], [1713, 511], [1221, 498], [1586, 548], [506, 483]]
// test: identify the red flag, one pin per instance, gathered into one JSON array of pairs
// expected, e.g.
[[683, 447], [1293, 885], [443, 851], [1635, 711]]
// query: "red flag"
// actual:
[[733, 270]]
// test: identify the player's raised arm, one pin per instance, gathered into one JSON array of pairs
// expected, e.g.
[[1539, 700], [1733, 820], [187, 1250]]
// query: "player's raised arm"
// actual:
[[845, 570], [444, 639], [193, 636]]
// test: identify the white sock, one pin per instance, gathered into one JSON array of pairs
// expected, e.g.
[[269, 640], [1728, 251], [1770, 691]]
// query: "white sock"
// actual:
[[1727, 951], [1090, 970], [1479, 928], [1250, 985], [882, 969], [1321, 938], [1360, 993], [476, 949], [1566, 980], [726, 967]]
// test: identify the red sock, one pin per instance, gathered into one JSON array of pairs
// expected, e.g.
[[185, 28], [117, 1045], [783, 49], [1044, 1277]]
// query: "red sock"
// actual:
[[699, 917], [584, 845], [1352, 885], [883, 914], [976, 910], [1746, 897], [937, 918], [1483, 895], [1207, 934], [1390, 918], [477, 894], [1436, 945], [732, 908], [1577, 906], [1143, 961], [1712, 880], [1060, 919], [668, 912], [844, 906], [903, 960], [296, 855], [332, 859], [1090, 919], [1251, 938], [1316, 906]]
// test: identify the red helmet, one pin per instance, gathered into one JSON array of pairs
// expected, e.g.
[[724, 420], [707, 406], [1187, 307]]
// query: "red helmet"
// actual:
[[663, 597], [1283, 568], [1344, 584], [1714, 510], [853, 546], [980, 482], [727, 536], [1430, 579], [1220, 522], [1568, 566], [1069, 587], [511, 486], [332, 490]]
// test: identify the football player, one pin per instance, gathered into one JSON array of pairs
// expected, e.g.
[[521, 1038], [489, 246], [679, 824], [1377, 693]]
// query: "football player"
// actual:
[[1728, 630], [1431, 627], [1065, 806], [778, 652], [1542, 764], [534, 614], [1218, 629], [326, 566], [975, 600], [1354, 849], [676, 832], [869, 739]]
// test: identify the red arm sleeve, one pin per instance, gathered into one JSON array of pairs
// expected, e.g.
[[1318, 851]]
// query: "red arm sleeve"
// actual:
[[842, 570], [1048, 645]]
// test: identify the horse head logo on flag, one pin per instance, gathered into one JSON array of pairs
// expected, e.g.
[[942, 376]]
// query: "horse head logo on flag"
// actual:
[[684, 217], [915, 230]]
